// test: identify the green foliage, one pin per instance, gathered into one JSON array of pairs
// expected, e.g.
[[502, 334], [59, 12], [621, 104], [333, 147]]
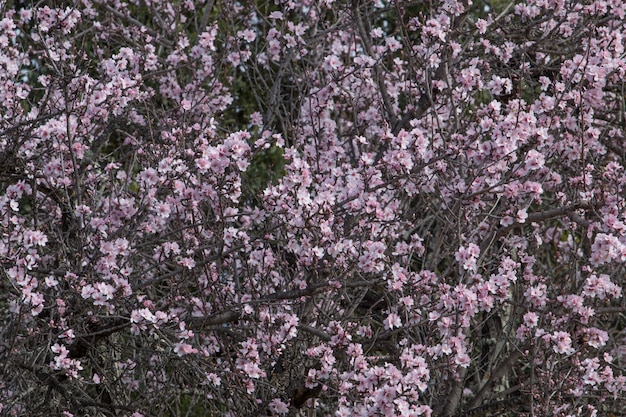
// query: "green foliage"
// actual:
[[266, 168], [236, 117], [191, 406]]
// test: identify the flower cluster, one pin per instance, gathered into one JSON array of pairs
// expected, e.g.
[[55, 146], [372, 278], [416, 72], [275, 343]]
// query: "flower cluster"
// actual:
[[392, 208]]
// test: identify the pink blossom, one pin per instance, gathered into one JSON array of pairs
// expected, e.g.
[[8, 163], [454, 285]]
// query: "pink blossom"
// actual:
[[606, 248], [392, 320], [467, 256], [481, 25], [463, 360], [534, 160], [331, 63], [537, 295], [531, 319], [247, 35], [182, 349], [595, 337], [601, 287], [188, 263], [562, 343], [278, 406], [34, 237]]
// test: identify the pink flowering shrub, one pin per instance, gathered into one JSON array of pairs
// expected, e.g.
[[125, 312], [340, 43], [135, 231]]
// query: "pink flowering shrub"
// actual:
[[341, 208]]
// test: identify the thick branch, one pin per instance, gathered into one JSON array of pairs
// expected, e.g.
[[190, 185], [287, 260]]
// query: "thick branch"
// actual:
[[367, 45], [81, 345], [495, 377], [532, 218], [453, 399]]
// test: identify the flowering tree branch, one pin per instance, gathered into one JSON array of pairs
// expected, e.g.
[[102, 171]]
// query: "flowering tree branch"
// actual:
[[325, 207]]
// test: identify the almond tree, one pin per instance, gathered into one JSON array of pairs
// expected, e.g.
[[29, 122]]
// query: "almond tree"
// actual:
[[312, 207]]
